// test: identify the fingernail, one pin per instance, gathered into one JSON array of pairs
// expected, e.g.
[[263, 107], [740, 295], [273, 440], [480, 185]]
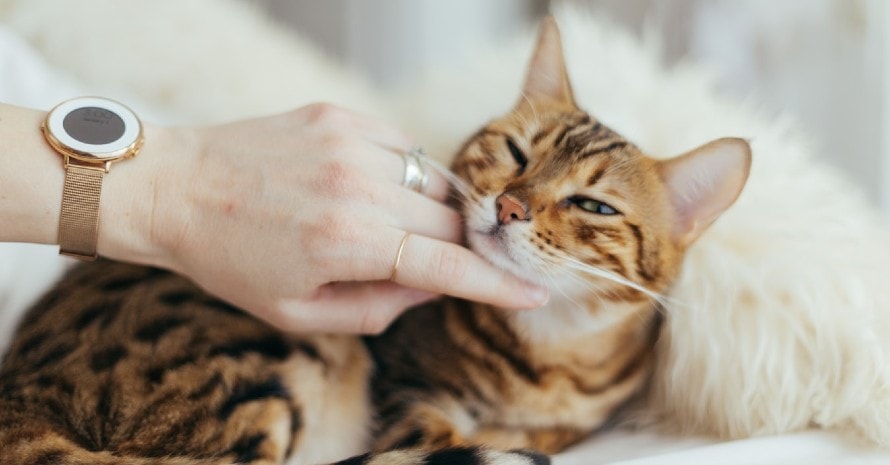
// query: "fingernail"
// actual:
[[539, 295]]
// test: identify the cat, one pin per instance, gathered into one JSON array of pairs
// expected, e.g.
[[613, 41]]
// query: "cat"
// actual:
[[131, 365]]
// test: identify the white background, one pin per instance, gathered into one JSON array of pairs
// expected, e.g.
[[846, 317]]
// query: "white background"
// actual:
[[823, 61]]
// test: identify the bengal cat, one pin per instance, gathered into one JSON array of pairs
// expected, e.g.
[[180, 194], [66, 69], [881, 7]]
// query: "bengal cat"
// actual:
[[121, 364]]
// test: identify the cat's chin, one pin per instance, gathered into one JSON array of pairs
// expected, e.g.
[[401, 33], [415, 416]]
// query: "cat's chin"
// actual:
[[494, 250]]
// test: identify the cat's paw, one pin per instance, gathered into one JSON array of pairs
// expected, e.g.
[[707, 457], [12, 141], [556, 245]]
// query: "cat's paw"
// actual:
[[523, 456], [451, 456], [482, 456]]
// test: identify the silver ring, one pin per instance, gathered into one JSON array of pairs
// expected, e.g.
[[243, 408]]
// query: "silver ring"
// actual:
[[416, 177]]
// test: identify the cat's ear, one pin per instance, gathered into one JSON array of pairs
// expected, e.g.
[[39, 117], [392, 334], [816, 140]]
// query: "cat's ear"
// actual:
[[546, 76], [703, 183]]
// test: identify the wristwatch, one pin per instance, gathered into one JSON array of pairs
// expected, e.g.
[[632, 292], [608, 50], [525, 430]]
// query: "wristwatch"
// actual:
[[90, 133]]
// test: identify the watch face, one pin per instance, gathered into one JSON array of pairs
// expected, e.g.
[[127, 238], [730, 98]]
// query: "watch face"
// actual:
[[93, 129], [93, 125]]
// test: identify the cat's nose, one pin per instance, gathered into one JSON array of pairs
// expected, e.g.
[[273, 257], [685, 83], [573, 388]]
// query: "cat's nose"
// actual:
[[510, 209]]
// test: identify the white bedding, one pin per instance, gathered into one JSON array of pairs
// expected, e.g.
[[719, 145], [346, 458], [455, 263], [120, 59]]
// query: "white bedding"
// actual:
[[26, 270]]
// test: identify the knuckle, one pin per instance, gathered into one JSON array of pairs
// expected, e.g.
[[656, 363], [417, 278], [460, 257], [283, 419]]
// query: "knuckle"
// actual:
[[324, 112], [335, 143], [328, 231], [335, 229], [338, 180]]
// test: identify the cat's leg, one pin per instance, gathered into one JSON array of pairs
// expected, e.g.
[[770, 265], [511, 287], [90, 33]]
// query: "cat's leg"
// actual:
[[434, 426], [422, 426], [426, 433]]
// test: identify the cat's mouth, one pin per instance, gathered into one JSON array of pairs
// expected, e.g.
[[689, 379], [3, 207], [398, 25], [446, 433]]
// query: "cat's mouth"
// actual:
[[503, 245], [489, 241], [495, 231], [496, 245]]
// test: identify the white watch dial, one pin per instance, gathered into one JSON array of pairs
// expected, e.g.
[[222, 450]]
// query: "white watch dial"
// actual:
[[98, 128]]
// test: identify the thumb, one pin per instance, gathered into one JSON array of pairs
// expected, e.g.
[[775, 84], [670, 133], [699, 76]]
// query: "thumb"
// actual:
[[349, 307]]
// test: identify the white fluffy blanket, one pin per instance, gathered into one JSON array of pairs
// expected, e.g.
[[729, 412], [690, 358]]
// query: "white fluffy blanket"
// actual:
[[780, 321]]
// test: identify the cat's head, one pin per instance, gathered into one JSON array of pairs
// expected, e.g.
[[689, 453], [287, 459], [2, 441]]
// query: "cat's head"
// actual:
[[558, 198]]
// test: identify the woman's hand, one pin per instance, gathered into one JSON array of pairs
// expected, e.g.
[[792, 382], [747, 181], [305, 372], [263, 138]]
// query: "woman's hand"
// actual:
[[298, 218]]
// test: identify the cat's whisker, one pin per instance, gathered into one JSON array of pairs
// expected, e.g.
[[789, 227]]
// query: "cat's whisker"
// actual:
[[577, 265], [550, 271], [570, 299], [596, 289], [618, 165], [525, 121], [531, 104], [590, 285], [593, 288], [616, 278], [477, 208], [547, 275], [460, 186], [554, 284]]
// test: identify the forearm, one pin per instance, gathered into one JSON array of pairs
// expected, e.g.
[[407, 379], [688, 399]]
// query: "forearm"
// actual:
[[31, 177]]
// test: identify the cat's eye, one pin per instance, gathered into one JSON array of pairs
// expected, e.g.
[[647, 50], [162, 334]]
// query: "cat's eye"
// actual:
[[520, 157], [593, 206]]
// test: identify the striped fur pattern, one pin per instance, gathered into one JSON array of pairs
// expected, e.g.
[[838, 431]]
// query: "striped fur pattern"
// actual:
[[128, 365], [124, 361], [121, 364]]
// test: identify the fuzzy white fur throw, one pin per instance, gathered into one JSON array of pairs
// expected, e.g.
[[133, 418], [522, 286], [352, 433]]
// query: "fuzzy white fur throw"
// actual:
[[780, 320]]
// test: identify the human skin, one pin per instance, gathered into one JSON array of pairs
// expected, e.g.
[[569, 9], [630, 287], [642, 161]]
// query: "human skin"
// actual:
[[297, 218]]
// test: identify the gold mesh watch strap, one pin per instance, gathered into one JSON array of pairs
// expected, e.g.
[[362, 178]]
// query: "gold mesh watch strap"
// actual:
[[79, 223]]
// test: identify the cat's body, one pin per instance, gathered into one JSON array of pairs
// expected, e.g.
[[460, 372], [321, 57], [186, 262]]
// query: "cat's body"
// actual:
[[122, 364], [140, 362], [148, 365]]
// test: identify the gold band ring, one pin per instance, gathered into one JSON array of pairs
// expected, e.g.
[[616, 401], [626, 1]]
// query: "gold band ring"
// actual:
[[395, 266]]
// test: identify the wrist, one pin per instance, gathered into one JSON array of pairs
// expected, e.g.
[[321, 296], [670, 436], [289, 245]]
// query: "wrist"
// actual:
[[139, 209]]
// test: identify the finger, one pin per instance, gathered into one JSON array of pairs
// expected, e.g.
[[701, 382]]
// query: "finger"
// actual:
[[348, 121], [380, 133], [445, 268], [421, 215], [365, 308], [435, 266], [389, 165]]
